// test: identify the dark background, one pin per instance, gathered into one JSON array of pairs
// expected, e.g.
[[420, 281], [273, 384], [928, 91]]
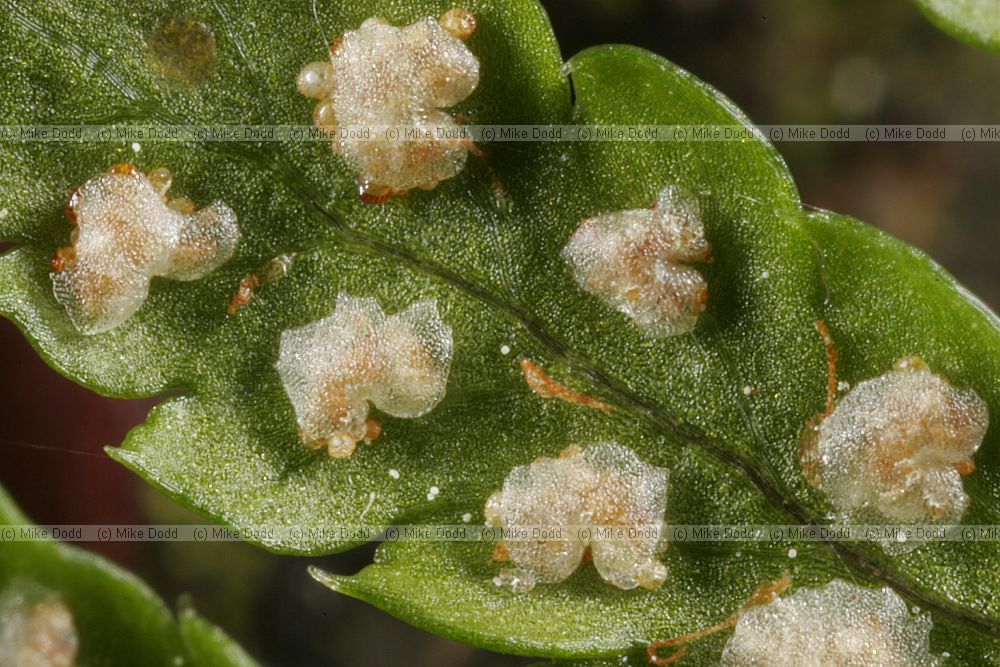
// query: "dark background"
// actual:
[[781, 61]]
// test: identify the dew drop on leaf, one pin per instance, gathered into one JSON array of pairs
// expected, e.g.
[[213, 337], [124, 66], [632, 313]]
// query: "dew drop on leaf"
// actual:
[[183, 49]]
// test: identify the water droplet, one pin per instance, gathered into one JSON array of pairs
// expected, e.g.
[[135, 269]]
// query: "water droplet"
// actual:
[[183, 49]]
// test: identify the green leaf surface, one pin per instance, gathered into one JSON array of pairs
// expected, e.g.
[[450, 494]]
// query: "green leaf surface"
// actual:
[[976, 22], [118, 620], [207, 645], [723, 407], [887, 301]]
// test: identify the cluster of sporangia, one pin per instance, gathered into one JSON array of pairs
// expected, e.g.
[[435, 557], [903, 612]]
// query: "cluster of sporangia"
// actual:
[[894, 448], [36, 628], [333, 368], [382, 76], [125, 232]]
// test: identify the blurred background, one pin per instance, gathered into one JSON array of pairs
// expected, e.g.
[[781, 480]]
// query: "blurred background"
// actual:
[[781, 61]]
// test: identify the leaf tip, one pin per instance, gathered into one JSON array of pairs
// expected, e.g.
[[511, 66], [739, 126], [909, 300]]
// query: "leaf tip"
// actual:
[[120, 454], [328, 579]]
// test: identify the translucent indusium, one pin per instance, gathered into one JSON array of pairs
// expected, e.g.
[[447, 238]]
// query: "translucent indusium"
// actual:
[[333, 368], [839, 624], [897, 446], [125, 233], [382, 75], [604, 485], [639, 262], [36, 627]]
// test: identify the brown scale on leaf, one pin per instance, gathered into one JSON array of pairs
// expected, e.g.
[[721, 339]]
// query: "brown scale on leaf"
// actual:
[[808, 450], [245, 292], [545, 387], [65, 256], [274, 270], [375, 195], [500, 554], [124, 169], [764, 595]]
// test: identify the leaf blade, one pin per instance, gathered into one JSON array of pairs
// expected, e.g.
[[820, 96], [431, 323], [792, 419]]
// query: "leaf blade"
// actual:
[[975, 22], [118, 619], [726, 404]]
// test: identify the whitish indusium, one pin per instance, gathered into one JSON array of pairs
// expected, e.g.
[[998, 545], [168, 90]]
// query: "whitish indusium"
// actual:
[[897, 446], [639, 262], [384, 75], [605, 484], [125, 233], [36, 628], [333, 368], [839, 624]]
